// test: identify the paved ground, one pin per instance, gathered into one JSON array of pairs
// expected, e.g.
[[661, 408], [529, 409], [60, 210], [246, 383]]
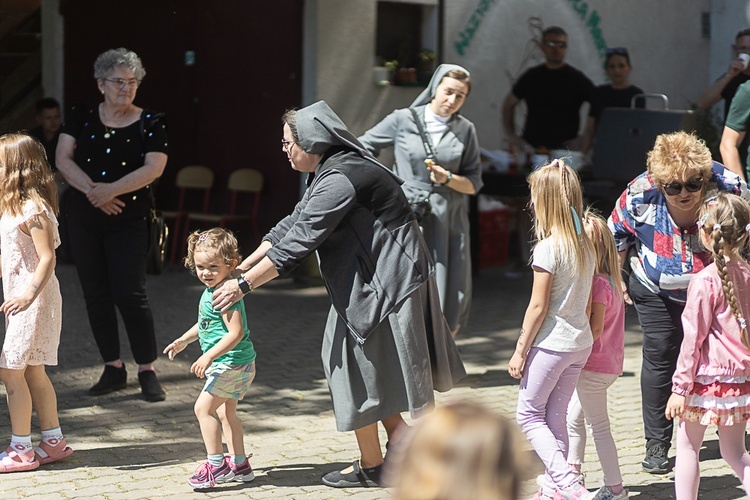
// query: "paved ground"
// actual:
[[127, 448]]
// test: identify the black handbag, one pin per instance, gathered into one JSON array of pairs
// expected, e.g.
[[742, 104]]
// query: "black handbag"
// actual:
[[158, 232], [420, 205]]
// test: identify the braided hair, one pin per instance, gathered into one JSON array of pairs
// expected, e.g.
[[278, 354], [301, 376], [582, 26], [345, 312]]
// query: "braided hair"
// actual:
[[725, 218]]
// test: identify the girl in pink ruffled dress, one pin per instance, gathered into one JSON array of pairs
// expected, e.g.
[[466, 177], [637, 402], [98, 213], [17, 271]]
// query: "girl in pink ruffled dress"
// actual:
[[32, 306]]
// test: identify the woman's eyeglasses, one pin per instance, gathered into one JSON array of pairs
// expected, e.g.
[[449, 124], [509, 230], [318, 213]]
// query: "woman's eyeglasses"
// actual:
[[691, 186], [119, 82], [287, 145]]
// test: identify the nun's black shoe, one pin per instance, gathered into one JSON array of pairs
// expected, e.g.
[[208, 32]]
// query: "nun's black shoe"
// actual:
[[359, 477]]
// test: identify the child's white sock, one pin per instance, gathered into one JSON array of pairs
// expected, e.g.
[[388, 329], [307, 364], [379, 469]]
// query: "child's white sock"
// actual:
[[215, 460], [52, 436], [239, 459], [20, 444]]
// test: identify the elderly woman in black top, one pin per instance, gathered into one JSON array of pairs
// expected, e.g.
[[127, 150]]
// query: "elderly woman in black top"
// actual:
[[386, 344], [110, 153]]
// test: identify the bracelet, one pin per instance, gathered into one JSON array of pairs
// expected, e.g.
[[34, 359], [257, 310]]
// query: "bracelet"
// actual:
[[245, 286], [448, 179]]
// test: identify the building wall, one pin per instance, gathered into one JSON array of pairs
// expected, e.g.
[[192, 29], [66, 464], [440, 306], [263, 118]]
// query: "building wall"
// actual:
[[494, 40], [345, 55], [53, 53]]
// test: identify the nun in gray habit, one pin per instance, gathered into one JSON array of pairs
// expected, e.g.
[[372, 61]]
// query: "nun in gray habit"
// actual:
[[387, 345], [455, 172]]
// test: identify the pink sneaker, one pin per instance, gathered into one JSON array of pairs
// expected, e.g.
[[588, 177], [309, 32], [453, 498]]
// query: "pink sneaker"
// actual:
[[208, 476], [243, 473], [12, 461], [575, 492]]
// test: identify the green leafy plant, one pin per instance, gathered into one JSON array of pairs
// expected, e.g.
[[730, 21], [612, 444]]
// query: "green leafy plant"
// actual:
[[391, 65], [426, 55]]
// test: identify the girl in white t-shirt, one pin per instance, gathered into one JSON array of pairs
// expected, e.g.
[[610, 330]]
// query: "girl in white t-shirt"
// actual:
[[604, 365], [555, 337]]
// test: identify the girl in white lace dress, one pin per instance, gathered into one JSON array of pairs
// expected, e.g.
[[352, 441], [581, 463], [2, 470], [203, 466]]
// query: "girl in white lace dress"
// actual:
[[32, 303]]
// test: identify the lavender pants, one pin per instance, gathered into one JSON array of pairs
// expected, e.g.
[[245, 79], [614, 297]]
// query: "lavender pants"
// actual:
[[549, 379]]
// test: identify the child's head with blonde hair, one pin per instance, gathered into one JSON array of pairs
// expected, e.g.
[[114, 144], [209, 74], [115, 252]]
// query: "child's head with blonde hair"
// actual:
[[24, 174], [725, 223], [557, 202], [605, 248], [461, 451], [216, 242]]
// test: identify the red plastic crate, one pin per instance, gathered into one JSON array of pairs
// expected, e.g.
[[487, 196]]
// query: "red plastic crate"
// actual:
[[493, 237]]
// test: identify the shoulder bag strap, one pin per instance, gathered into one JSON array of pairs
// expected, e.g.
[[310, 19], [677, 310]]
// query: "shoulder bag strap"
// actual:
[[425, 138], [426, 143]]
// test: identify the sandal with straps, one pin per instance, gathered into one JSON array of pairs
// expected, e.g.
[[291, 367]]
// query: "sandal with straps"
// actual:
[[12, 461], [52, 451]]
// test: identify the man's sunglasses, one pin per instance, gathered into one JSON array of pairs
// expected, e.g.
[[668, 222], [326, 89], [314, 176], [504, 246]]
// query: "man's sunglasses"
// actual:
[[555, 45], [691, 186]]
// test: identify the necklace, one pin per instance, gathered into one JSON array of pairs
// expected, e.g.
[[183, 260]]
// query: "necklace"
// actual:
[[110, 131]]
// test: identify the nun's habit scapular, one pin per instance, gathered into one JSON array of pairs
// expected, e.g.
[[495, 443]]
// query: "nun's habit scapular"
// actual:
[[387, 344], [446, 229]]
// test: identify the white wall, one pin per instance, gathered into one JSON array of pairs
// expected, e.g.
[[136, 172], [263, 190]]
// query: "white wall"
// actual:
[[52, 50], [668, 52]]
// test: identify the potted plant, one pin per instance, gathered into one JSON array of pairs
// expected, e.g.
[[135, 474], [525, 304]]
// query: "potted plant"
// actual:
[[385, 75], [392, 66], [426, 68]]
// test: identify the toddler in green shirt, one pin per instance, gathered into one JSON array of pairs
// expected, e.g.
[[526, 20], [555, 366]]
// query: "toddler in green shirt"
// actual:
[[227, 363]]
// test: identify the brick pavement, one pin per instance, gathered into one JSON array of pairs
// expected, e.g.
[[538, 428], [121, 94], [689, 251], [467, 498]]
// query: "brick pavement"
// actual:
[[127, 448]]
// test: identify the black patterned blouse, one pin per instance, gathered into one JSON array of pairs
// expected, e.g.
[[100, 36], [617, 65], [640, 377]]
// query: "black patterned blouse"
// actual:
[[107, 154]]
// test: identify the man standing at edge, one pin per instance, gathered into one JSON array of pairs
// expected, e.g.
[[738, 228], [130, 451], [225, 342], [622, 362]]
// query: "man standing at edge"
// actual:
[[734, 141], [554, 92]]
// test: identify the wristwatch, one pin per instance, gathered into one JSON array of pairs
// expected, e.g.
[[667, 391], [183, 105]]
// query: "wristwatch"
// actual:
[[449, 175], [245, 286]]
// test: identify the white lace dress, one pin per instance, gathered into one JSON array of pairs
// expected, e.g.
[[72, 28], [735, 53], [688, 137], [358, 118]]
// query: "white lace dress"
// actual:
[[31, 336]]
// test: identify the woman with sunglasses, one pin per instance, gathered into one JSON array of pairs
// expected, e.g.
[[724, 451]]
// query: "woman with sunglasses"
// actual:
[[618, 93], [110, 153], [655, 225]]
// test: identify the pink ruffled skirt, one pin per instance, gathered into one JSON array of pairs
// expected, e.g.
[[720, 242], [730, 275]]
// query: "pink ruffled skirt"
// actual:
[[718, 401]]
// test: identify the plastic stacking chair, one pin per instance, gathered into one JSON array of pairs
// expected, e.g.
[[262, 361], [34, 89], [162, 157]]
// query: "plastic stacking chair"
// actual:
[[193, 179], [242, 182]]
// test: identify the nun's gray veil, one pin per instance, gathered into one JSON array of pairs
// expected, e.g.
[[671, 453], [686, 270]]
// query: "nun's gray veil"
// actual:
[[319, 128], [427, 94]]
